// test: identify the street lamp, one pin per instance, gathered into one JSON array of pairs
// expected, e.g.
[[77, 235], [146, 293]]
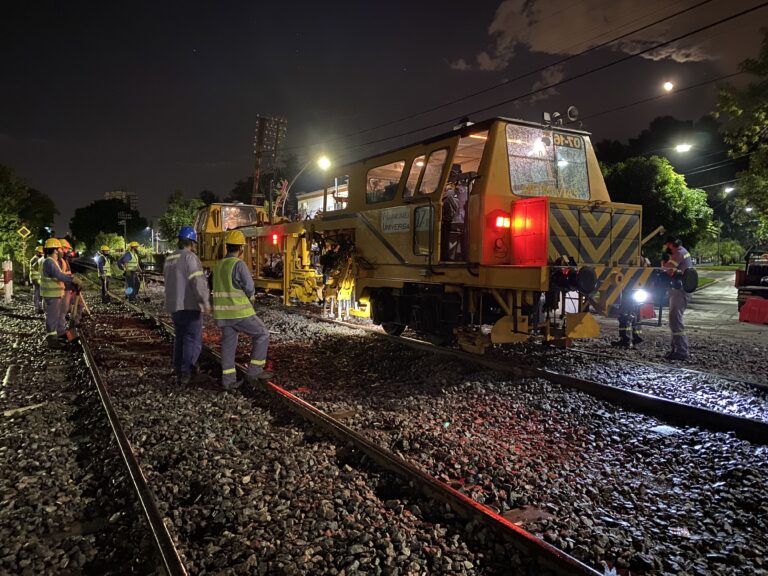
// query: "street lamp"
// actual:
[[729, 189], [748, 209], [668, 86], [324, 163], [683, 147]]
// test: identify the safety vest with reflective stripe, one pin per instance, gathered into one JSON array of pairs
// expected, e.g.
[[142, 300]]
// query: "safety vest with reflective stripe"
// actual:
[[106, 268], [133, 264], [34, 268], [51, 287], [229, 303]]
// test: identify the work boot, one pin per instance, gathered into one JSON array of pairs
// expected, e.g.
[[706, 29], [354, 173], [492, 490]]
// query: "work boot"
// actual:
[[676, 356], [620, 343], [54, 343], [259, 378], [232, 386], [636, 340]]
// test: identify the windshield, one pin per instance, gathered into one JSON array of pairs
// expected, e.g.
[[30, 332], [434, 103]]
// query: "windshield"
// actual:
[[547, 163], [237, 216]]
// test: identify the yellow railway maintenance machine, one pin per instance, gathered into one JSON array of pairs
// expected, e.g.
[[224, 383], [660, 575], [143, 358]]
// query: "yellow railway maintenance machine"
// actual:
[[504, 224]]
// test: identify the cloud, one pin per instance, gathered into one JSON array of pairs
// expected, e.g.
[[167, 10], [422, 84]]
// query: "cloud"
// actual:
[[549, 77], [564, 27]]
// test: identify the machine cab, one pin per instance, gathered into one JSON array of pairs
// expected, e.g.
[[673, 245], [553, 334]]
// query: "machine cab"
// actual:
[[215, 219]]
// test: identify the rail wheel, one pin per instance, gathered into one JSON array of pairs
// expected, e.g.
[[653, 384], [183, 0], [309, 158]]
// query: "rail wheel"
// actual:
[[393, 328]]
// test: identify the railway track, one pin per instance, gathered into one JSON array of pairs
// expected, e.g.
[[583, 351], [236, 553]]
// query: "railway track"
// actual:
[[495, 527]]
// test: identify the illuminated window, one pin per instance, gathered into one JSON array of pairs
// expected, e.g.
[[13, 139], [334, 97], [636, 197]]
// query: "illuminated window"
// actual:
[[381, 182], [237, 216], [424, 225], [547, 163], [433, 171], [413, 176]]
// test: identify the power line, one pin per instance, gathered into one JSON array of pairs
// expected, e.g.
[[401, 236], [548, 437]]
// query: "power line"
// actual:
[[715, 165], [572, 78], [516, 78]]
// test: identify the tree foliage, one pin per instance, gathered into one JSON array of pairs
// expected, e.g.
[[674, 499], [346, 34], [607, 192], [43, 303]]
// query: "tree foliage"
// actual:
[[207, 197], [666, 199], [115, 242], [731, 251], [744, 113], [102, 216], [180, 212], [21, 205]]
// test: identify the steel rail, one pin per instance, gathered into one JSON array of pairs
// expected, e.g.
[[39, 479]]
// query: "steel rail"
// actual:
[[544, 553], [164, 543], [680, 413]]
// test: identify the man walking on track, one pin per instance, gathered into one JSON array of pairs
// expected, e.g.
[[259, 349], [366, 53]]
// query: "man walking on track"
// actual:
[[234, 313], [186, 298]]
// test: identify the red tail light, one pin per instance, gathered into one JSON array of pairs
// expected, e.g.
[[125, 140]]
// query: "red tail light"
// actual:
[[499, 221], [275, 238], [530, 231]]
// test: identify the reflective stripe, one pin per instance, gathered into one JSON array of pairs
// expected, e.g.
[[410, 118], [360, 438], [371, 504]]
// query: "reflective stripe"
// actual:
[[258, 362], [235, 307], [678, 333], [195, 274], [229, 303], [52, 333], [172, 257], [228, 371]]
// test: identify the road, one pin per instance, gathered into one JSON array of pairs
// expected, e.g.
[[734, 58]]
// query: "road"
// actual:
[[714, 309]]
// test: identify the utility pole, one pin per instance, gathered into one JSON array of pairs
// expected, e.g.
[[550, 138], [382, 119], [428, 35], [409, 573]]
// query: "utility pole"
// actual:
[[270, 133], [123, 218]]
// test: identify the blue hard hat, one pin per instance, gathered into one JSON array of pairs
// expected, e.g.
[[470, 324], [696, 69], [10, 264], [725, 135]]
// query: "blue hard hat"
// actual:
[[188, 232]]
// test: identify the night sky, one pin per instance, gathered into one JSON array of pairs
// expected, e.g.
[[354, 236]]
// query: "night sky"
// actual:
[[156, 96]]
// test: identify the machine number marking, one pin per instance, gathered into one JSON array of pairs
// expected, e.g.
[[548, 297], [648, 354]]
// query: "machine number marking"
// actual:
[[567, 140], [395, 220]]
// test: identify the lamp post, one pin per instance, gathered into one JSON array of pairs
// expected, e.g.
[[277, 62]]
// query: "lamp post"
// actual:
[[323, 163]]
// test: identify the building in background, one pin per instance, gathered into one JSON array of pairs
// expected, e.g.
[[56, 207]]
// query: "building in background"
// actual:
[[128, 197]]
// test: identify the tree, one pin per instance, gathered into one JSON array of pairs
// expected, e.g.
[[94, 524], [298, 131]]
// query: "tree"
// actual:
[[207, 197], [102, 216], [666, 199], [744, 113], [115, 242], [37, 212], [180, 212]]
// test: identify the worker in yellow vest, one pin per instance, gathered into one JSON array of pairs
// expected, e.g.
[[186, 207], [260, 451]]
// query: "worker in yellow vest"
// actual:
[[54, 283], [232, 309], [35, 265], [104, 265], [131, 265]]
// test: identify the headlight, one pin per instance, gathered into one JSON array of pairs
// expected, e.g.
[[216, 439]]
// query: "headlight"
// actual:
[[640, 296]]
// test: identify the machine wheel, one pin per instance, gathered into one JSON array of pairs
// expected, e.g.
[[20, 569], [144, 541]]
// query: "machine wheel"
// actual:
[[393, 328], [439, 338]]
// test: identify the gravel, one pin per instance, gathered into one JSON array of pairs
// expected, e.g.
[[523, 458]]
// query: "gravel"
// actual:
[[65, 506], [247, 490]]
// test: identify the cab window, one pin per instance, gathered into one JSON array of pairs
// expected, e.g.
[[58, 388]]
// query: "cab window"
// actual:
[[546, 163], [237, 216], [433, 170], [381, 182], [417, 167]]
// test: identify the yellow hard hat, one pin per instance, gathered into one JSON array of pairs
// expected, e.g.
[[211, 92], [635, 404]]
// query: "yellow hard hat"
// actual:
[[64, 243], [53, 243], [104, 248], [235, 237], [39, 249], [133, 244]]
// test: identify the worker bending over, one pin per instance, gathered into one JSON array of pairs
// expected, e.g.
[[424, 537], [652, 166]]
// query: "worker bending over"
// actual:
[[186, 298], [233, 312], [54, 283]]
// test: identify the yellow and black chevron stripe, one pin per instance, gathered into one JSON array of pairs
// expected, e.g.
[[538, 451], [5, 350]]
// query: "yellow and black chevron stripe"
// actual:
[[611, 280], [594, 234]]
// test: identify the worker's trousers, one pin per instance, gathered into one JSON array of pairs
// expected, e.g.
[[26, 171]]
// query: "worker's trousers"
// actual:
[[678, 302], [54, 323], [189, 340], [132, 282], [36, 299], [260, 342], [64, 305], [104, 288]]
